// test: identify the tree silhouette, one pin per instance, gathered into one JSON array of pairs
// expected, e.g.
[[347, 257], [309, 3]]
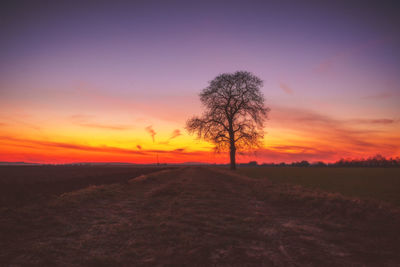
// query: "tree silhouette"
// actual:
[[235, 113]]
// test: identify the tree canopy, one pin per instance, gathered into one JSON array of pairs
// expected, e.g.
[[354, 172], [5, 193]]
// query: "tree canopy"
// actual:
[[234, 115]]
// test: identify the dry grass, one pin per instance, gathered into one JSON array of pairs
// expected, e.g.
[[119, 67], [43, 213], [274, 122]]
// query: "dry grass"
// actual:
[[374, 183], [201, 217], [90, 193]]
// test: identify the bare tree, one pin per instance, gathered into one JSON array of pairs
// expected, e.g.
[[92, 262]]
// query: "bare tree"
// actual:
[[235, 113]]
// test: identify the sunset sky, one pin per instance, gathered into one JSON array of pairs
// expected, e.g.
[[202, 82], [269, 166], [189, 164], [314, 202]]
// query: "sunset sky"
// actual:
[[116, 81]]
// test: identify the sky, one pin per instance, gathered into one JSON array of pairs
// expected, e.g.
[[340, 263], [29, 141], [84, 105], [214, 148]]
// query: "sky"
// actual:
[[116, 81]]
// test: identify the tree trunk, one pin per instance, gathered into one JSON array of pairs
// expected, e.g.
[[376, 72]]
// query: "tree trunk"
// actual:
[[232, 147], [233, 155]]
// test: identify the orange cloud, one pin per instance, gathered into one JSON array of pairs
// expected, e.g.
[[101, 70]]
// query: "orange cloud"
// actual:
[[151, 131], [49, 144], [19, 149], [104, 149], [358, 136], [175, 134]]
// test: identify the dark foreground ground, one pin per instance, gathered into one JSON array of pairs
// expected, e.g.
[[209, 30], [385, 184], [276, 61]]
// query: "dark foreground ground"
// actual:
[[21, 185], [199, 216]]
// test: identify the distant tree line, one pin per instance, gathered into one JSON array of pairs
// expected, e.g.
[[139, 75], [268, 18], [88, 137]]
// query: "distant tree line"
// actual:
[[376, 161]]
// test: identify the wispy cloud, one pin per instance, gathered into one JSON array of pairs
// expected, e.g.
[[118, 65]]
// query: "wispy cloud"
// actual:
[[151, 131], [296, 148], [87, 121], [374, 121], [291, 155], [325, 66], [18, 119], [327, 133], [381, 95], [106, 126], [175, 134], [285, 88], [328, 64]]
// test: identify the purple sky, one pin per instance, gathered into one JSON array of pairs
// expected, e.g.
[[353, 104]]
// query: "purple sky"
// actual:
[[335, 59]]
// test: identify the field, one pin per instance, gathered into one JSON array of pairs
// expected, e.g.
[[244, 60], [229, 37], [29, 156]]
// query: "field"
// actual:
[[20, 185], [190, 216], [376, 183]]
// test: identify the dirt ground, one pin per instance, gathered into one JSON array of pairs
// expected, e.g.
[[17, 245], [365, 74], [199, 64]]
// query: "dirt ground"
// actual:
[[199, 216]]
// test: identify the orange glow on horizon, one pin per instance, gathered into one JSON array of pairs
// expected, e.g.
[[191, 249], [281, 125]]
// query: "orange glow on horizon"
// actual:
[[291, 135]]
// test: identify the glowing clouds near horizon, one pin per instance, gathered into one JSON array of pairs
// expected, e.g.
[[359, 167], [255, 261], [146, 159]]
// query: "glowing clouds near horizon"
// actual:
[[175, 134], [151, 131]]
